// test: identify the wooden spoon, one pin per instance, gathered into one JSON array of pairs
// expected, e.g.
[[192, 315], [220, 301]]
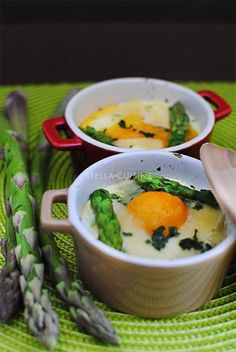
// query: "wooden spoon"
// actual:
[[220, 168]]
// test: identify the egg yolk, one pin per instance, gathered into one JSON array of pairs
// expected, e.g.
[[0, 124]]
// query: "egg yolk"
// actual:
[[156, 209], [135, 124]]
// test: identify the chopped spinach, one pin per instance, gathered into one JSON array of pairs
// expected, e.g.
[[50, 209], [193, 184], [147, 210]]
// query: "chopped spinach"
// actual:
[[147, 134], [159, 240], [197, 206], [206, 247], [148, 241], [190, 243], [122, 124], [115, 196], [127, 234], [173, 232], [194, 243]]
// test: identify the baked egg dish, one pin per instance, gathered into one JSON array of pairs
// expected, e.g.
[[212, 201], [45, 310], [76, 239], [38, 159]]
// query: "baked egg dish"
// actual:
[[154, 217], [140, 125]]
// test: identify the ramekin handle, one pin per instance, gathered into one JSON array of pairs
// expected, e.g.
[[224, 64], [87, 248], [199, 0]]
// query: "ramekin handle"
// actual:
[[222, 110], [48, 222], [51, 129]]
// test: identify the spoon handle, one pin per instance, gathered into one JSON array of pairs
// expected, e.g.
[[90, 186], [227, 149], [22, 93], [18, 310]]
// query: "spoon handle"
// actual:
[[220, 168]]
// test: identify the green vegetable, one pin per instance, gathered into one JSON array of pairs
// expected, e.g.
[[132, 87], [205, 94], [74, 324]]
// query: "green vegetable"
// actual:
[[16, 112], [159, 240], [38, 312], [147, 134], [127, 234], [115, 196], [108, 225], [82, 309], [98, 135], [122, 124], [179, 124], [194, 243], [197, 206], [173, 232], [10, 291], [151, 182], [148, 241]]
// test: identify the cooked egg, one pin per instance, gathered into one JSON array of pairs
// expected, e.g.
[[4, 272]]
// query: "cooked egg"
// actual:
[[145, 124], [143, 212], [155, 209]]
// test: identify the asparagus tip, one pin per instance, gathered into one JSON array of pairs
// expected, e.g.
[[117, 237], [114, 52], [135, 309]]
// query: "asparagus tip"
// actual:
[[10, 293], [15, 97]]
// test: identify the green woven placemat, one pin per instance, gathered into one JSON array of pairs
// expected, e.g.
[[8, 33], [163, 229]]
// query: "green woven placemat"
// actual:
[[211, 328]]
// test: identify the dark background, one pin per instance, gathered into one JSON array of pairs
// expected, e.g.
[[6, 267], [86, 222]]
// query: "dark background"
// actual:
[[55, 41]]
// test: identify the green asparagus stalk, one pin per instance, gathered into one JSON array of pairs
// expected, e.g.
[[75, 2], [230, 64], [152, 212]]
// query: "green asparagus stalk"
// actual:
[[179, 123], [16, 112], [151, 182], [82, 309], [106, 220], [38, 313], [98, 135], [10, 292]]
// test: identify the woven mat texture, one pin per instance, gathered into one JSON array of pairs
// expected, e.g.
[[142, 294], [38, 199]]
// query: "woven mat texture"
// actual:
[[211, 328]]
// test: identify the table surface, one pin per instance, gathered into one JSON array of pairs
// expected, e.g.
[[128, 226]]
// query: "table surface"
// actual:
[[211, 328]]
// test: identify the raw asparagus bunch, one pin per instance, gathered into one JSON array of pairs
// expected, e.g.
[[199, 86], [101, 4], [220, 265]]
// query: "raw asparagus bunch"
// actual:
[[107, 222], [179, 123], [38, 313], [151, 182], [82, 309]]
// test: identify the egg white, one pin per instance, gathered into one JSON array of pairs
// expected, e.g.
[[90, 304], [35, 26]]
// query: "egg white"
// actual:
[[139, 143]]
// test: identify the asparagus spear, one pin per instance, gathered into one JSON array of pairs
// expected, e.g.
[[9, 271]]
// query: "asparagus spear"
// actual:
[[10, 292], [16, 112], [107, 222], [151, 182], [98, 135], [82, 309], [179, 122], [38, 313]]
